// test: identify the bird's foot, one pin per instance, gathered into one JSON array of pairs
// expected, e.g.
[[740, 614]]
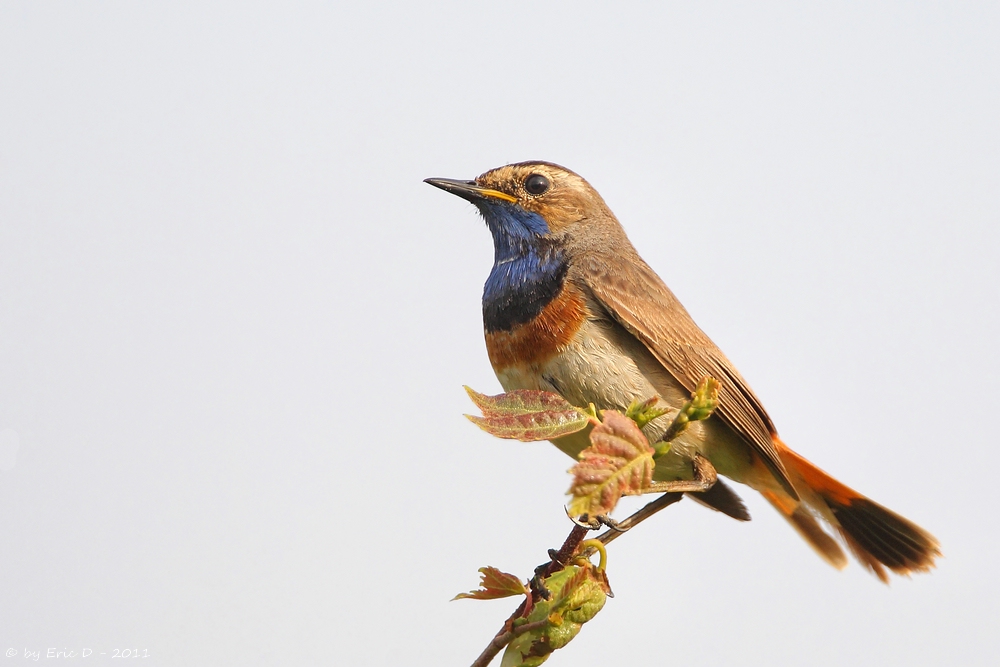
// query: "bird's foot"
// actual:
[[595, 522]]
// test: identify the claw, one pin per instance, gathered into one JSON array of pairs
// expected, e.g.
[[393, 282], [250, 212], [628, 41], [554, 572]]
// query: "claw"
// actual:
[[605, 520], [584, 521]]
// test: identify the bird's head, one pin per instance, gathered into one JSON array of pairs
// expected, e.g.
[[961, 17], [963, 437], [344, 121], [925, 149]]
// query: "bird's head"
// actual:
[[528, 202]]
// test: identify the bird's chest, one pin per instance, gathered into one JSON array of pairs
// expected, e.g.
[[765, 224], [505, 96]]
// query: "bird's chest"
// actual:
[[565, 349], [534, 341], [544, 332], [530, 312]]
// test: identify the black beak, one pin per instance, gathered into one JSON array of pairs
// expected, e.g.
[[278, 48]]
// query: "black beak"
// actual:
[[469, 190]]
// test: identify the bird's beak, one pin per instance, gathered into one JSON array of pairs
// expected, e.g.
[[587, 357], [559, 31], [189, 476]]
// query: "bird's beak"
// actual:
[[469, 190]]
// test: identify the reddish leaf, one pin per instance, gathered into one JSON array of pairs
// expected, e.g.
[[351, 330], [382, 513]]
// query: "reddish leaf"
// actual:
[[495, 584], [618, 462], [527, 415]]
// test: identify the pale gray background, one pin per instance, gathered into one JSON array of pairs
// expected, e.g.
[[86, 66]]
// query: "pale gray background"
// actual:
[[234, 324]]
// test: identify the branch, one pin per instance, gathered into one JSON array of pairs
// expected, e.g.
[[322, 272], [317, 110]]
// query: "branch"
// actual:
[[651, 508], [558, 559], [505, 637]]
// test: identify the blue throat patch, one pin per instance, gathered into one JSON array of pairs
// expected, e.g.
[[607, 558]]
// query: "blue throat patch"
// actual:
[[528, 267]]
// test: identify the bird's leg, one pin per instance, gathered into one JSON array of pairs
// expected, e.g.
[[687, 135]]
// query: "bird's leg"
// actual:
[[648, 510], [605, 520], [704, 479]]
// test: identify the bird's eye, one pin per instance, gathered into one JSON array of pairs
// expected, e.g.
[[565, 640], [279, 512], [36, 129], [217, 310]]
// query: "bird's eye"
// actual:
[[536, 184]]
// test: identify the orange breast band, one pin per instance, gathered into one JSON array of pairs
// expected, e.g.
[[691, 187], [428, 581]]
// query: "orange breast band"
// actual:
[[543, 337]]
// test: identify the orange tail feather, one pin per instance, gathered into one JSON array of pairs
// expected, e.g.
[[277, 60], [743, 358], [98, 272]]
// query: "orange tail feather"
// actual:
[[803, 521], [878, 537]]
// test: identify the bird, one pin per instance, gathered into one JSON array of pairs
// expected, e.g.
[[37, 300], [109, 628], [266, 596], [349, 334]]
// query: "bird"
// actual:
[[570, 307]]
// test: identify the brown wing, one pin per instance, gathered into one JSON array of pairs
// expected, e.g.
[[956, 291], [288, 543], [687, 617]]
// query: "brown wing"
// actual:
[[636, 297]]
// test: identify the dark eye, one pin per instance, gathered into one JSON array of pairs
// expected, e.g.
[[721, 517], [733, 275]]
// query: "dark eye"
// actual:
[[536, 184]]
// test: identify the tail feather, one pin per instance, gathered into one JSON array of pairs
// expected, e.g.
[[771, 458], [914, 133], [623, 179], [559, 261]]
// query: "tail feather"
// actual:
[[878, 537], [809, 528], [723, 499]]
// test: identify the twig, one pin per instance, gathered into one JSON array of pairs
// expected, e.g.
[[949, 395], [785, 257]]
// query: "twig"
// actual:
[[651, 508], [557, 561], [505, 637]]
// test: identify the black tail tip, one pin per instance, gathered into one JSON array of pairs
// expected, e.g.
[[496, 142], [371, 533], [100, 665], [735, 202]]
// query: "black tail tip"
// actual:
[[882, 539]]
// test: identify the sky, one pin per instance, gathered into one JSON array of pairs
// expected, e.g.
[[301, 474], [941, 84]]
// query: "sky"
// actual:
[[235, 324]]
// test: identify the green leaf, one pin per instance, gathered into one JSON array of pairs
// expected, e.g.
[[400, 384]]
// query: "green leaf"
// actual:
[[527, 415], [704, 401], [494, 585], [643, 413], [577, 593], [619, 462]]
